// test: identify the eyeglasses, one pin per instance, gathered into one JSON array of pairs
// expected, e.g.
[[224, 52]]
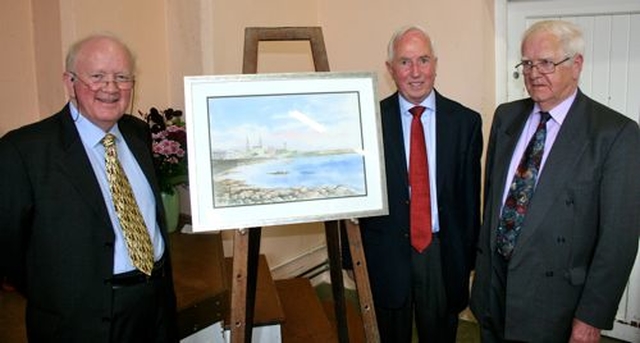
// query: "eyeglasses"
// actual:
[[544, 66], [98, 81]]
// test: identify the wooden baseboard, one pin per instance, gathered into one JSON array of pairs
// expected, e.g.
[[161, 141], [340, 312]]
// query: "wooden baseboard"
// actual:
[[300, 264]]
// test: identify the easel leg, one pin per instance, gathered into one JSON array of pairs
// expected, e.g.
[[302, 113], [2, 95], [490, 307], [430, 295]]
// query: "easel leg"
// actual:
[[362, 283], [337, 285], [246, 248]]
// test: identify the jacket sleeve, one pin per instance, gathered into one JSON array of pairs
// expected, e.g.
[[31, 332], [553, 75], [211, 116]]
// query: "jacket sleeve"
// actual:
[[618, 230], [16, 205]]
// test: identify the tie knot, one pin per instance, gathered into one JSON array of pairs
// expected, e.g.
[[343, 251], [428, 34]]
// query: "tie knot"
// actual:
[[544, 117], [417, 111], [109, 140]]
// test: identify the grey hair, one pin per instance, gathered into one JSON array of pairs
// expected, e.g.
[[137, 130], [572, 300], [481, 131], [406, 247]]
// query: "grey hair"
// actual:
[[75, 48], [398, 34], [569, 34]]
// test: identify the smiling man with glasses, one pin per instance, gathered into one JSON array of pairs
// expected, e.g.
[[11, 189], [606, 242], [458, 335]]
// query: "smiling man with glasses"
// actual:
[[560, 227], [83, 233], [99, 82]]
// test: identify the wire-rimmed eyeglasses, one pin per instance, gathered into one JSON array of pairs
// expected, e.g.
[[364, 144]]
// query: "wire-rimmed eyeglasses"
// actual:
[[98, 81], [544, 66]]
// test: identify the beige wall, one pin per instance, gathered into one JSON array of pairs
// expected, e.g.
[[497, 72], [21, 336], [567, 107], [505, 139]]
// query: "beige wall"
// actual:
[[174, 38], [17, 78]]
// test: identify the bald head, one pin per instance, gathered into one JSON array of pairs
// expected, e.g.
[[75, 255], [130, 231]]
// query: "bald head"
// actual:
[[96, 40]]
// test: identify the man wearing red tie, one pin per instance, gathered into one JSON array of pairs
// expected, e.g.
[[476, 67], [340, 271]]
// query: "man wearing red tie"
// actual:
[[419, 257]]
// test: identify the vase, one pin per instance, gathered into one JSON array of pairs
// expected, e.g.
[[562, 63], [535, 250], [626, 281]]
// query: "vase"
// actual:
[[171, 204]]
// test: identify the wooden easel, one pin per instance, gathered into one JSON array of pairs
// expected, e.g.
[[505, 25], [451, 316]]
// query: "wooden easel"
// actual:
[[247, 241]]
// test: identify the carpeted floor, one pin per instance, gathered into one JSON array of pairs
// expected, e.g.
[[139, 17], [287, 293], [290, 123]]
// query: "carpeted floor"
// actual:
[[467, 330]]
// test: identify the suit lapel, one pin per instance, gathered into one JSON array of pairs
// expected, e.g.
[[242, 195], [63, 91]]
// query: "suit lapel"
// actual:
[[75, 164], [568, 148], [507, 133], [140, 150], [392, 126], [444, 136]]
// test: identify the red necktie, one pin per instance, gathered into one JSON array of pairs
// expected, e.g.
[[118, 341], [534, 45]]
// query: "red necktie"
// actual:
[[419, 182]]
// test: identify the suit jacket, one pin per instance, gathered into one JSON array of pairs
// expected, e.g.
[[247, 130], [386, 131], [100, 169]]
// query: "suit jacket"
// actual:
[[580, 234], [56, 237], [386, 239]]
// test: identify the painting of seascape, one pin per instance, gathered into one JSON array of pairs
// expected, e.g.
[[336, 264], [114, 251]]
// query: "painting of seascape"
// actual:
[[283, 148], [286, 148]]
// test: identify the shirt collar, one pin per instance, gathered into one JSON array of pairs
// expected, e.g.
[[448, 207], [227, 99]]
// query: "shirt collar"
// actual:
[[89, 132], [429, 102], [559, 113]]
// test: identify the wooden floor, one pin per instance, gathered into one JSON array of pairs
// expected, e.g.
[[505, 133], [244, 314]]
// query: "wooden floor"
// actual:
[[303, 321], [11, 317], [307, 311], [307, 319], [200, 285]]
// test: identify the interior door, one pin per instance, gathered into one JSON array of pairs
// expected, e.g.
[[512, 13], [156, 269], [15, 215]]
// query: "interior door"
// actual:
[[610, 75]]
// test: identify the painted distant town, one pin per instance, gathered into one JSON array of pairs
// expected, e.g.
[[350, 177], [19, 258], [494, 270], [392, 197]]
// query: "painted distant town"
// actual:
[[260, 174]]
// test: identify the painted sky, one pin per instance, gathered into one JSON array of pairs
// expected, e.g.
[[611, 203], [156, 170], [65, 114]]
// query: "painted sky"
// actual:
[[316, 121]]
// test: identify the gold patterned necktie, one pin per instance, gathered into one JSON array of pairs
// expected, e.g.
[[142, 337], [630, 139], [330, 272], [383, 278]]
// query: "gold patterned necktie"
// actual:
[[133, 227]]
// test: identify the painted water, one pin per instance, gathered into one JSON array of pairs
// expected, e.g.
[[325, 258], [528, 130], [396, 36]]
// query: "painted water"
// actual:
[[298, 178]]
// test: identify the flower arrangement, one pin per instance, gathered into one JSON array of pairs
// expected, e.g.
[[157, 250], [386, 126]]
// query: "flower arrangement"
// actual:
[[169, 147]]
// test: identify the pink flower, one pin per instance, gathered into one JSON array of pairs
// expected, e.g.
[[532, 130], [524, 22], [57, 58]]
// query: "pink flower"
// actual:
[[169, 145]]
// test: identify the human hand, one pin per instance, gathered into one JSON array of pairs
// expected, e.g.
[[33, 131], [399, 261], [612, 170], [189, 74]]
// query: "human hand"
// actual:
[[582, 332], [354, 221]]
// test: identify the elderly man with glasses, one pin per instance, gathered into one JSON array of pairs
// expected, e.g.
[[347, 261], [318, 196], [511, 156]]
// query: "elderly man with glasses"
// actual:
[[83, 233], [561, 220]]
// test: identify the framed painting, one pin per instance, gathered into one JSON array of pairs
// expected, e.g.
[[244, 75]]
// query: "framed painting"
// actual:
[[274, 149]]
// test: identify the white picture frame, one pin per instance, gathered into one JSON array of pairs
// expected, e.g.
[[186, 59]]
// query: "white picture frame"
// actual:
[[275, 149]]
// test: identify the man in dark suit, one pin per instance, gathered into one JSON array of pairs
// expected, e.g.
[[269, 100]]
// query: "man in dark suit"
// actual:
[[430, 285], [61, 242], [562, 276]]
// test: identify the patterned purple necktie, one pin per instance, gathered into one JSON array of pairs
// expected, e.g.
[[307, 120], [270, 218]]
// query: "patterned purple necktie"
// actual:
[[521, 190]]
